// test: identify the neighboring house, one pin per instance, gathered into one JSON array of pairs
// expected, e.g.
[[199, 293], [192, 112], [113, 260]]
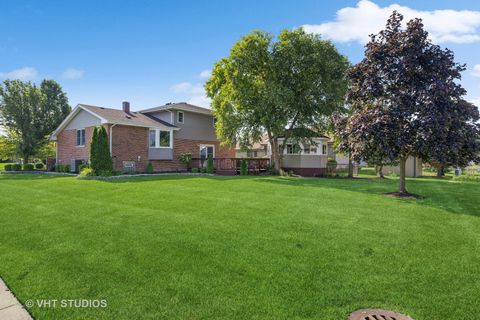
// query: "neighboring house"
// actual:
[[303, 159], [157, 135], [257, 150]]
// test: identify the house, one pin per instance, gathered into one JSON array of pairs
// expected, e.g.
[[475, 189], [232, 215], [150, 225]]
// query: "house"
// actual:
[[156, 135], [256, 150], [304, 159]]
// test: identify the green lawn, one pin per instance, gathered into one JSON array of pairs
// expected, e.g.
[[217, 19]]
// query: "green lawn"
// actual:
[[241, 248]]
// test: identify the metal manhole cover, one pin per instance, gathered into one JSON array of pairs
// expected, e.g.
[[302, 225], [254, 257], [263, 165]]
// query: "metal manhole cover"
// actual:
[[377, 314]]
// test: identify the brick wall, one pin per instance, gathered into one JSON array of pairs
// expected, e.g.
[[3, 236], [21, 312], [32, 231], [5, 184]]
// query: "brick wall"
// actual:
[[67, 146], [131, 144], [192, 146]]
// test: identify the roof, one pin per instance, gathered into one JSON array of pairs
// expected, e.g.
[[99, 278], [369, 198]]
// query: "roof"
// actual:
[[133, 118], [179, 106], [115, 116]]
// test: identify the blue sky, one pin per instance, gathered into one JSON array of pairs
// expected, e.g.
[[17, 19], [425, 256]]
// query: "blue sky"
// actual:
[[153, 52]]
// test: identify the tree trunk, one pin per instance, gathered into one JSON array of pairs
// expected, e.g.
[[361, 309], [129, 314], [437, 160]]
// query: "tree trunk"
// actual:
[[440, 171], [401, 187], [275, 156], [350, 167], [379, 172]]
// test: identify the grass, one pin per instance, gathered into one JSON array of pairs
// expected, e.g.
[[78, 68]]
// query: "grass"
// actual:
[[241, 247]]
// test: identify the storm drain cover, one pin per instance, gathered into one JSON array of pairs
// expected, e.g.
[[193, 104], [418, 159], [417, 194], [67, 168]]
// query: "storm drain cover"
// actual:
[[377, 314]]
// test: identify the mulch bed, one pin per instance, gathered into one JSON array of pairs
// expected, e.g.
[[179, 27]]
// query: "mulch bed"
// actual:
[[402, 195]]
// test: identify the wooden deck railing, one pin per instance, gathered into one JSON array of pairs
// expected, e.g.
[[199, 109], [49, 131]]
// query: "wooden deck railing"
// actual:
[[231, 166]]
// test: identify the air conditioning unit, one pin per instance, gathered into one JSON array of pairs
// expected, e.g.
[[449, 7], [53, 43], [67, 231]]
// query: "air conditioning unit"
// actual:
[[75, 164]]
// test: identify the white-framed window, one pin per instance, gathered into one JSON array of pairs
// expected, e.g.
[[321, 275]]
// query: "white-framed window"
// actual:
[[324, 149], [206, 150], [180, 117], [152, 138], [160, 138], [292, 148], [307, 149], [80, 137]]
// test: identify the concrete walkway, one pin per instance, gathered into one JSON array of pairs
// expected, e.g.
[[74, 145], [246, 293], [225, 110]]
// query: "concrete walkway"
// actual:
[[10, 308]]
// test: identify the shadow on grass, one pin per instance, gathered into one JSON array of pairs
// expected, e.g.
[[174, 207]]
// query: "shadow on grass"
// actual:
[[459, 198]]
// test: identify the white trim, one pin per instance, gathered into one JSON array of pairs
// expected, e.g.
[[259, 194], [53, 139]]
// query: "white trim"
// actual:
[[76, 137], [111, 137], [70, 117], [178, 116], [206, 145], [157, 138]]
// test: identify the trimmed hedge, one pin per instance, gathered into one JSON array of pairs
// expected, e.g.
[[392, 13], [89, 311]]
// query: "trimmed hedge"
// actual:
[[16, 167], [39, 165], [28, 167], [8, 167]]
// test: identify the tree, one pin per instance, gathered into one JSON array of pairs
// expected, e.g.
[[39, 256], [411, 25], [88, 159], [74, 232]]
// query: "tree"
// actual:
[[32, 113], [286, 89], [100, 157], [399, 95], [93, 150], [8, 146]]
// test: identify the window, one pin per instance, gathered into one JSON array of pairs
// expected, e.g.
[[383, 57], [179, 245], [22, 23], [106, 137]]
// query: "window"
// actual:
[[206, 150], [252, 154], [180, 116], [153, 138], [324, 149], [165, 139], [81, 137], [293, 148], [159, 139], [309, 149]]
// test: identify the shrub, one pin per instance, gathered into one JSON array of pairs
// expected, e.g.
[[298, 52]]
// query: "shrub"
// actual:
[[8, 167], [185, 158], [83, 166], [66, 168], [272, 171], [39, 165], [210, 164], [100, 157], [194, 170], [16, 167], [28, 167], [203, 170], [243, 168], [150, 168], [87, 172]]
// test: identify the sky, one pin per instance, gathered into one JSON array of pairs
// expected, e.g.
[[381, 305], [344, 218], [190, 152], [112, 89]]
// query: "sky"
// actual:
[[154, 52]]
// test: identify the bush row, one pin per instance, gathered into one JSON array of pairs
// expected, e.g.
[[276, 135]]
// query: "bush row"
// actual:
[[26, 166]]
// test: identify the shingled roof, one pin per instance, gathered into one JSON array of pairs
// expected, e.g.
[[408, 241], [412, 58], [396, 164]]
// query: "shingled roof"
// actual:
[[129, 119], [179, 106]]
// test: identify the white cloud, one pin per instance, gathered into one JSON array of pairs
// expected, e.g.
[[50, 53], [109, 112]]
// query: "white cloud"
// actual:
[[26, 73], [205, 74], [72, 74], [187, 87], [476, 71], [356, 23], [200, 100], [194, 92]]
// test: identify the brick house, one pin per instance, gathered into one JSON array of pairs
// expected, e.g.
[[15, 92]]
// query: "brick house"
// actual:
[[157, 135]]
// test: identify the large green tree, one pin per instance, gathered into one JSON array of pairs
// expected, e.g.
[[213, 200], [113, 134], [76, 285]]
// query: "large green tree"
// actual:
[[406, 100], [286, 88], [32, 112]]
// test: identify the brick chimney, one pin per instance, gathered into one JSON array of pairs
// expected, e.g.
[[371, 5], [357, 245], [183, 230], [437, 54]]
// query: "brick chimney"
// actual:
[[126, 106]]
